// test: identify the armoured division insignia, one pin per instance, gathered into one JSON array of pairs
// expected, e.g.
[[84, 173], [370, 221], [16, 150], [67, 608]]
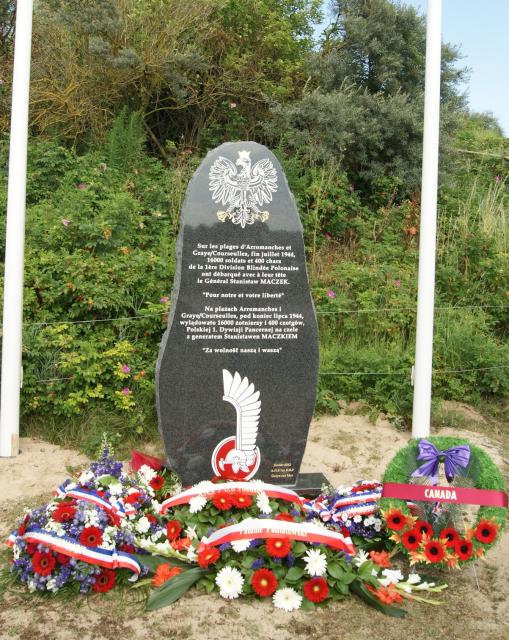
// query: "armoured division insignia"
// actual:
[[237, 457]]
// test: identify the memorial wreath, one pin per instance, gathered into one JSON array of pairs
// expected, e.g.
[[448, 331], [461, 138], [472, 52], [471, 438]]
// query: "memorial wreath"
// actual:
[[444, 501]]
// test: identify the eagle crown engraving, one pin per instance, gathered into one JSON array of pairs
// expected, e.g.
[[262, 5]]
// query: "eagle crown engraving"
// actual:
[[243, 190], [241, 394]]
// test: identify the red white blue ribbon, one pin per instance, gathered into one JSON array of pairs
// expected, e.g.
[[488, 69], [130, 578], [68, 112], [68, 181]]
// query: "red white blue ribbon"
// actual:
[[255, 528], [116, 506], [209, 489], [355, 503], [93, 555]]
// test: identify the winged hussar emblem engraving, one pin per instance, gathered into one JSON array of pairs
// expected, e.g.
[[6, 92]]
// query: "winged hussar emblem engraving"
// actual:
[[242, 395], [242, 188]]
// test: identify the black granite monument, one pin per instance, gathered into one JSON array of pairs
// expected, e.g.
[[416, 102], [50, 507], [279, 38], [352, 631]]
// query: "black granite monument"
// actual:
[[238, 364]]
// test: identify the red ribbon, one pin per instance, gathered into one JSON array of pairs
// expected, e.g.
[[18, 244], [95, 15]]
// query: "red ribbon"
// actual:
[[458, 495]]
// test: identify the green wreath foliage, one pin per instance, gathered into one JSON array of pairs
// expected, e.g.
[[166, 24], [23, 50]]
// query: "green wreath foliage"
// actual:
[[481, 473]]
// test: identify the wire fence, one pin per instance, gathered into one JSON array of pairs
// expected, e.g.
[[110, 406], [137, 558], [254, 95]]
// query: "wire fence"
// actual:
[[318, 312], [401, 372]]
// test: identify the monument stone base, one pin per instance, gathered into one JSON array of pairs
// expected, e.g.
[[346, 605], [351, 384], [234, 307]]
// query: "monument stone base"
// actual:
[[309, 485]]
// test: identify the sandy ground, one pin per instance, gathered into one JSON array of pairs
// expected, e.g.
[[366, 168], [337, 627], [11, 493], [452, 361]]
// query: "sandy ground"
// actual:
[[345, 448]]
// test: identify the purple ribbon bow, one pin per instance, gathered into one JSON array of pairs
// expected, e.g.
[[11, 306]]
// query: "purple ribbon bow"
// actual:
[[454, 457]]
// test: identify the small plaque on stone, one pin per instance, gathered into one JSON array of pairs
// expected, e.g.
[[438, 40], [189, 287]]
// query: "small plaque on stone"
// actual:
[[238, 364]]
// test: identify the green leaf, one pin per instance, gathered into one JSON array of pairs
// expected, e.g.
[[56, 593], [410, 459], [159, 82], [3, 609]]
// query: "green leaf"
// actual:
[[299, 548], [336, 571], [372, 600], [152, 562], [307, 605], [294, 574], [107, 480], [366, 570], [175, 588]]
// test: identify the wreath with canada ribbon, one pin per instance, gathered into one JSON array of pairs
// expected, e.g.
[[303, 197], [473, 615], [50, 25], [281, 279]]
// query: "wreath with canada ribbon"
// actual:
[[430, 489]]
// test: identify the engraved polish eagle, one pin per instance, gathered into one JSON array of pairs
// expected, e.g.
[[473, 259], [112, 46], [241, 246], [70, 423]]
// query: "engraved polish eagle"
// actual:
[[243, 188], [242, 395]]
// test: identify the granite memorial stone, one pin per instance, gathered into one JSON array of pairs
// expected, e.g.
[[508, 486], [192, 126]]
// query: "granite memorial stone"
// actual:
[[238, 364]]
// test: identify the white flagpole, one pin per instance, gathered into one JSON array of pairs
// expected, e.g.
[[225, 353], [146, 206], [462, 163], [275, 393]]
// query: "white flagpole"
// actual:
[[428, 227], [15, 235]]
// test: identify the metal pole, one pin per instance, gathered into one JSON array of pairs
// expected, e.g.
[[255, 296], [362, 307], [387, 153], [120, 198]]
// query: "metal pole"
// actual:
[[15, 235], [428, 226]]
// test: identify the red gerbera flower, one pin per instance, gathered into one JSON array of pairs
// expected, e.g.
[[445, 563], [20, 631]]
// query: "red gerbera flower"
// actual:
[[105, 581], [396, 519], [157, 483], [114, 520], [222, 501], [486, 531], [450, 535], [264, 582], [208, 557], [424, 527], [316, 589], [278, 547], [62, 558], [151, 518], [173, 529], [64, 512], [285, 516], [463, 549], [91, 537], [434, 550], [241, 500], [133, 497], [411, 539], [43, 563]]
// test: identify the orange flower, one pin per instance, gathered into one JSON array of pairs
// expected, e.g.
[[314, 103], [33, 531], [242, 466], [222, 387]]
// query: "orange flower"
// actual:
[[387, 595], [381, 558], [181, 544], [165, 572]]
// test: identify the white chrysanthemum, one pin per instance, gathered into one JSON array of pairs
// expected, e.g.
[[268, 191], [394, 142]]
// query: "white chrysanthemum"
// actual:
[[360, 558], [316, 562], [55, 527], [204, 484], [31, 586], [287, 599], [357, 518], [413, 578], [197, 503], [240, 545], [262, 502], [147, 473], [156, 506], [143, 525], [191, 554], [230, 582], [391, 576]]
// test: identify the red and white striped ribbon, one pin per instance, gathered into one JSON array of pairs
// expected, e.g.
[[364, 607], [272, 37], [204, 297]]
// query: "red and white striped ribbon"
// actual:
[[254, 528], [208, 490]]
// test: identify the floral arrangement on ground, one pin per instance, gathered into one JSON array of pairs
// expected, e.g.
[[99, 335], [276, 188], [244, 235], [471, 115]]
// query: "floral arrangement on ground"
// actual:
[[139, 529], [444, 479]]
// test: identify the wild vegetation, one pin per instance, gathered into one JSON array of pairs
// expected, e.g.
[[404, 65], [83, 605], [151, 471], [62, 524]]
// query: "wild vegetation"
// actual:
[[128, 96]]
